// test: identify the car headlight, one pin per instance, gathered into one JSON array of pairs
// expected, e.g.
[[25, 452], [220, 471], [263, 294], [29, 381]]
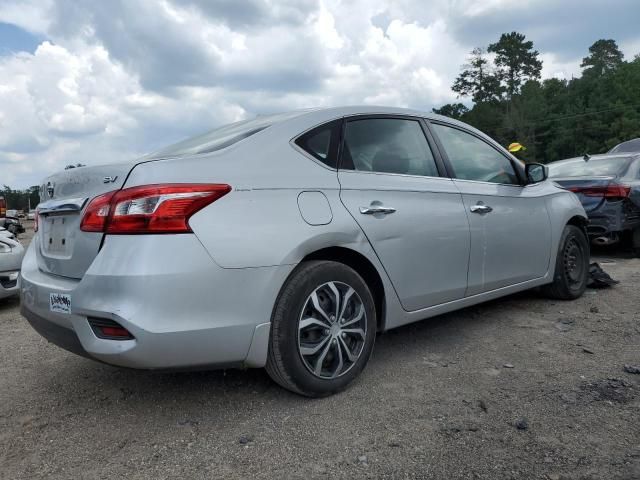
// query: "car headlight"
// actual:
[[4, 247]]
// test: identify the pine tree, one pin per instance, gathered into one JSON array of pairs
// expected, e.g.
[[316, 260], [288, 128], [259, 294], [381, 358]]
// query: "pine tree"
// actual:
[[478, 79], [516, 61]]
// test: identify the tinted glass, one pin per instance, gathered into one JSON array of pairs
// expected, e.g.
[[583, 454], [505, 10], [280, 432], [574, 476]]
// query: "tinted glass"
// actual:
[[474, 159], [387, 145], [322, 143], [595, 167]]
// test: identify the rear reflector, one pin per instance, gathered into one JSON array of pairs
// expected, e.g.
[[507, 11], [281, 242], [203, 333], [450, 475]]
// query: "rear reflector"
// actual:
[[162, 208], [609, 191], [108, 329]]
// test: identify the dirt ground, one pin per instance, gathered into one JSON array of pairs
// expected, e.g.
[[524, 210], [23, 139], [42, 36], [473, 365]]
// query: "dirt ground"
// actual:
[[440, 399]]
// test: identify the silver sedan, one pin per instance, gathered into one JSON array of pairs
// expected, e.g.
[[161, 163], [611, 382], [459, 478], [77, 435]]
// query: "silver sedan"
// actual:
[[289, 241]]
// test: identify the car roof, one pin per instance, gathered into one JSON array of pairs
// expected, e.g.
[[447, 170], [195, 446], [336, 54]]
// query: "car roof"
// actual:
[[318, 116], [291, 123], [333, 112]]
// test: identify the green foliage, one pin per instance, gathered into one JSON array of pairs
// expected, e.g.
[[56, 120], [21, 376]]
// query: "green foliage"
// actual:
[[516, 61], [452, 110], [604, 56], [478, 79], [19, 199], [555, 119]]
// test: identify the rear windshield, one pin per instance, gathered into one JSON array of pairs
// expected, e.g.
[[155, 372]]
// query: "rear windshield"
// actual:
[[595, 167], [627, 147], [222, 137]]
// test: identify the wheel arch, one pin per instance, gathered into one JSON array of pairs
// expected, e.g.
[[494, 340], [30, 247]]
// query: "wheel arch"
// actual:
[[363, 266], [580, 222]]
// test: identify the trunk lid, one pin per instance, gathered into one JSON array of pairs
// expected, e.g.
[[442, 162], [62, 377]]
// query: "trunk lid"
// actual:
[[61, 247], [587, 188]]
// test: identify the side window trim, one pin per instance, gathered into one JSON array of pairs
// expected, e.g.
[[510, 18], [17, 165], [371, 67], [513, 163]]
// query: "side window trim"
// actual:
[[440, 165], [449, 167]]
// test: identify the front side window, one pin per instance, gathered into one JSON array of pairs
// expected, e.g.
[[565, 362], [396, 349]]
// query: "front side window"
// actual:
[[474, 159], [387, 145]]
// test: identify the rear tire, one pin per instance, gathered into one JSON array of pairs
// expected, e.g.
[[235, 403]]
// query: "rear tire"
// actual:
[[572, 266], [322, 330]]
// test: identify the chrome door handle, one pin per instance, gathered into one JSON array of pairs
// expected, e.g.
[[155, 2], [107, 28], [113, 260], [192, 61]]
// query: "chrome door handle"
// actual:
[[376, 209], [481, 209]]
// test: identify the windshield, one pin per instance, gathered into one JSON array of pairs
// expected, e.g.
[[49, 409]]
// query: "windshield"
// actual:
[[222, 137], [595, 167]]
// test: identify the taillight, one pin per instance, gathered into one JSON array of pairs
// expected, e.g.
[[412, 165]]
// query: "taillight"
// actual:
[[150, 208], [97, 213], [610, 191], [35, 221]]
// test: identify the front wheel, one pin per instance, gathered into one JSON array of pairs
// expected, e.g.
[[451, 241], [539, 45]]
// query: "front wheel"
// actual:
[[572, 266], [322, 330]]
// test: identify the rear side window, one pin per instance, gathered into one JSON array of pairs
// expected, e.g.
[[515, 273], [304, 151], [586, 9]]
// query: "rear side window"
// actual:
[[387, 145], [322, 143]]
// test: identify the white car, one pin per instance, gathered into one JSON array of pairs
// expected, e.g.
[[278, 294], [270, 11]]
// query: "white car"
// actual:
[[11, 253]]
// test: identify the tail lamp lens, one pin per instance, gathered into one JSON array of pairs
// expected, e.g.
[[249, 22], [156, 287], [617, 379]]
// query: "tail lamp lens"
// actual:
[[150, 208], [609, 191]]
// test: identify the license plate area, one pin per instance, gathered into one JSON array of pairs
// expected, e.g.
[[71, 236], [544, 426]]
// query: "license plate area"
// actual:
[[58, 235]]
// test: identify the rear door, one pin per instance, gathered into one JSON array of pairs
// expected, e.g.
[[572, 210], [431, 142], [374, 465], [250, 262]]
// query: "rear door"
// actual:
[[414, 218], [510, 225]]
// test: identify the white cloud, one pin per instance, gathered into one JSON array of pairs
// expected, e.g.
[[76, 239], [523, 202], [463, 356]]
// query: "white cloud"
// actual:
[[119, 78]]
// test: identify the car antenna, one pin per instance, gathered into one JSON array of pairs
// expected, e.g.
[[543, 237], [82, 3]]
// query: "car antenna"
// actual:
[[586, 157]]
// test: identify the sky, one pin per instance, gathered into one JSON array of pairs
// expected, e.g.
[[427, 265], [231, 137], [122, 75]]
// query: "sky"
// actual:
[[94, 82]]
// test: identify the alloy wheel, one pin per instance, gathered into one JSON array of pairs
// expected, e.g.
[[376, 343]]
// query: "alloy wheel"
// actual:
[[332, 329]]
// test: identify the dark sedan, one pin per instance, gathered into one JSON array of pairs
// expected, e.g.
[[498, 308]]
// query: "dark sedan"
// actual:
[[609, 188]]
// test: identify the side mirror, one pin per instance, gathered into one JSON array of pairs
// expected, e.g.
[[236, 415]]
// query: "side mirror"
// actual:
[[536, 172]]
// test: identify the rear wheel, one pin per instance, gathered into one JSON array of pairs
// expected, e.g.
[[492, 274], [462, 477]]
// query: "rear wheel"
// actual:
[[322, 330], [572, 266]]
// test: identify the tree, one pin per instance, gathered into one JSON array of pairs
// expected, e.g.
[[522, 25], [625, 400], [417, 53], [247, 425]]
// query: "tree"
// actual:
[[452, 110], [478, 79], [516, 60], [604, 57]]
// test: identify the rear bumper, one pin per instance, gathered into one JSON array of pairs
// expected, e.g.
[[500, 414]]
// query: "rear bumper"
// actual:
[[612, 217], [182, 309]]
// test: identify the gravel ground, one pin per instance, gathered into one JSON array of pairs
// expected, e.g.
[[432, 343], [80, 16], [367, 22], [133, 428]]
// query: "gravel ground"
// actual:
[[521, 387]]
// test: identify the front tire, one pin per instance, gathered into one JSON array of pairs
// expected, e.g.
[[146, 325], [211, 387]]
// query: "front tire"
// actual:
[[572, 266], [322, 330]]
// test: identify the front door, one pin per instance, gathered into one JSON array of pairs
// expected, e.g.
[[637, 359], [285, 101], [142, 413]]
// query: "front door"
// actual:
[[510, 225], [414, 219]]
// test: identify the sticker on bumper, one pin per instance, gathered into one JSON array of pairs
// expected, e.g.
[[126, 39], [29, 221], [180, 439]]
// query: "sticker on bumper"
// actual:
[[60, 302]]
